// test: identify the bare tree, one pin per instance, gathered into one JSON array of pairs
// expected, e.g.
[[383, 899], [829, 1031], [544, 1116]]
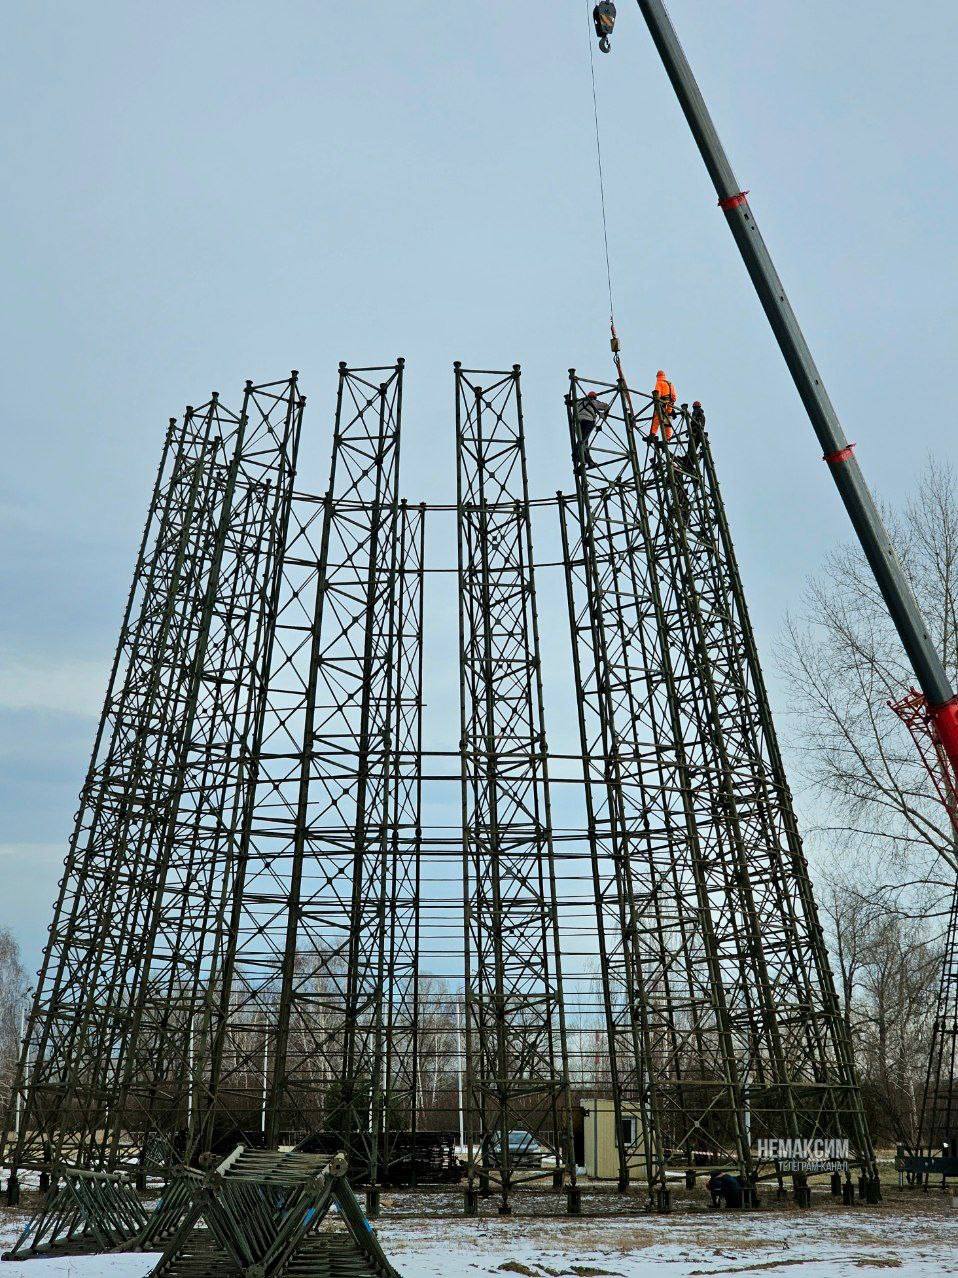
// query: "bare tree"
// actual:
[[844, 664], [439, 1052], [887, 850], [13, 992], [887, 961]]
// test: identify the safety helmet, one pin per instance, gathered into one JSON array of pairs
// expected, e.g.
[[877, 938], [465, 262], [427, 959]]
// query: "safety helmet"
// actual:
[[696, 403], [593, 395], [660, 373]]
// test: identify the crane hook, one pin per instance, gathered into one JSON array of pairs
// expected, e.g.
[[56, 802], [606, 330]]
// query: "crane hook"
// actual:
[[603, 15]]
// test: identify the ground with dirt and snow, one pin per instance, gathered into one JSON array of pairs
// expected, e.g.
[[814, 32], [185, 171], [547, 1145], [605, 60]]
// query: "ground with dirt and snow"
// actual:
[[912, 1234]]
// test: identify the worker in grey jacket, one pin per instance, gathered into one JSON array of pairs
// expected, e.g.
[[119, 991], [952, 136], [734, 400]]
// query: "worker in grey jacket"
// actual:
[[590, 412]]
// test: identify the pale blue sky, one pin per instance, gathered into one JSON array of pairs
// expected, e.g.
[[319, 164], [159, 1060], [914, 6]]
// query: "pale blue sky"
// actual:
[[200, 193]]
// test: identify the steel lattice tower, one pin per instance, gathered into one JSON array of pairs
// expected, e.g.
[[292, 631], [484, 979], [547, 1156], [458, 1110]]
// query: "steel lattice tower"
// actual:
[[938, 1118], [136, 937], [723, 1022], [321, 986], [938, 1132], [516, 1053]]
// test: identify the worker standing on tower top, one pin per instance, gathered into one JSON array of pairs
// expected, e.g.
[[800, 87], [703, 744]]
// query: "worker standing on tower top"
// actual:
[[696, 421], [664, 406], [590, 412]]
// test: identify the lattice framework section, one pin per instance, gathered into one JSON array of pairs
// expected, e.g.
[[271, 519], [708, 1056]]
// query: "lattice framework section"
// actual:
[[323, 970], [515, 1039], [135, 939], [720, 1007]]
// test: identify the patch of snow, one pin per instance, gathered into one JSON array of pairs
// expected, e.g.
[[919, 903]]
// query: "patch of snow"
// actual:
[[837, 1245], [914, 1238]]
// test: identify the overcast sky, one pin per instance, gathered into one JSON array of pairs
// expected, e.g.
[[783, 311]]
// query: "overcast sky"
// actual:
[[200, 193]]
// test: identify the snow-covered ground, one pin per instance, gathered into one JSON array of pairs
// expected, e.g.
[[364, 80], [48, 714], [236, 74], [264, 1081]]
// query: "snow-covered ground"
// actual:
[[914, 1236], [829, 1244]]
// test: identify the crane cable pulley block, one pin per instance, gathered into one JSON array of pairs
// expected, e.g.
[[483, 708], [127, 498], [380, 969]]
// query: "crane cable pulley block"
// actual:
[[603, 15]]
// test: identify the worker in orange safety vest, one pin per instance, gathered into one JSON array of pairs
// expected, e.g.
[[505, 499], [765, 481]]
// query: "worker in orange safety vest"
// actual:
[[665, 407]]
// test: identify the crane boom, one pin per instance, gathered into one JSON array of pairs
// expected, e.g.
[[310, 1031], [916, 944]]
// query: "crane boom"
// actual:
[[838, 452]]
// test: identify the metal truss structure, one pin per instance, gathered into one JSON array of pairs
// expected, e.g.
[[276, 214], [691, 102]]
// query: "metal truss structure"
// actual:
[[266, 1213], [319, 998], [722, 1018], [517, 1067], [136, 934], [939, 1105], [246, 944], [938, 1118]]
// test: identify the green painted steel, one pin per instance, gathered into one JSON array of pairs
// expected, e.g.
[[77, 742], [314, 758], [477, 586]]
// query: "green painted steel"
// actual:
[[261, 1213], [83, 1212], [721, 1013]]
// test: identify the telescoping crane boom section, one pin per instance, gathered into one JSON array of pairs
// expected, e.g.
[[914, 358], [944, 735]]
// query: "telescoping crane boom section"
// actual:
[[838, 452]]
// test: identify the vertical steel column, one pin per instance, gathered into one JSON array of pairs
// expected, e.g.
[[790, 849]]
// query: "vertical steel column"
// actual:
[[743, 1035], [803, 1070], [396, 1102], [77, 1015], [666, 1020], [130, 937], [516, 1052], [309, 935], [339, 833], [180, 935], [938, 1123], [44, 1025], [626, 1028], [938, 1117]]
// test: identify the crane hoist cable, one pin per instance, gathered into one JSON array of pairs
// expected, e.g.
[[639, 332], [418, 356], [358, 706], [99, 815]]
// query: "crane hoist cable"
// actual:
[[614, 341], [598, 157]]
